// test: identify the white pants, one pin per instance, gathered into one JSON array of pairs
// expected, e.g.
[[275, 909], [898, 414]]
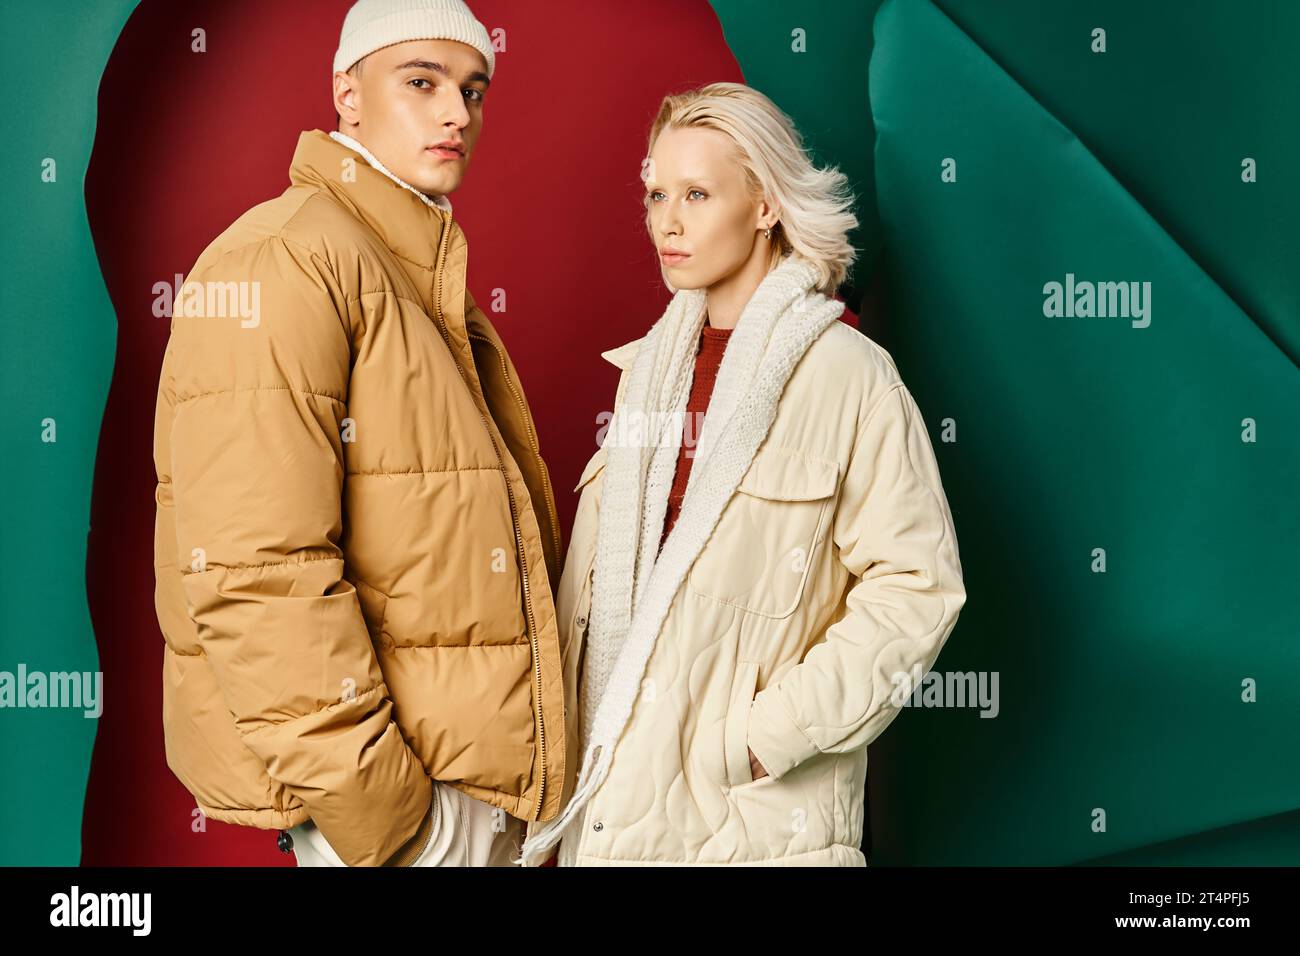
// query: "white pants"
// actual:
[[466, 832]]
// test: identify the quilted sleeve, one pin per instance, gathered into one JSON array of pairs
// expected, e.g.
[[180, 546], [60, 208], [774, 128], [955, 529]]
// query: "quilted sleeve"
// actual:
[[894, 533], [257, 476]]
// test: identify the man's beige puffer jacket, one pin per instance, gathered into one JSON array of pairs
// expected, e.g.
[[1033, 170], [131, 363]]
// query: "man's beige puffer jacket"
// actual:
[[356, 538]]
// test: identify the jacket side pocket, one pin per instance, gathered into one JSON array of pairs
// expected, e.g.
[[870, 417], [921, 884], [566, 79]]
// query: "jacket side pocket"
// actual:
[[434, 819], [735, 735]]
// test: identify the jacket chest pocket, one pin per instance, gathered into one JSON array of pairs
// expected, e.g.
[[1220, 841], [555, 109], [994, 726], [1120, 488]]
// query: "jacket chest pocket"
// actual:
[[761, 552]]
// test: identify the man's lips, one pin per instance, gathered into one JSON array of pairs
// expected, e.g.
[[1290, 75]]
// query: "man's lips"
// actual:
[[448, 150]]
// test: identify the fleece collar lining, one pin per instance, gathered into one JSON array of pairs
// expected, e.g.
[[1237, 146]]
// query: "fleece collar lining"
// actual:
[[440, 202]]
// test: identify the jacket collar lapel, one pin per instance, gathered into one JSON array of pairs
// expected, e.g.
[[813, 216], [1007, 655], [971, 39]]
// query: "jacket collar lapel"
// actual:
[[408, 222], [442, 202]]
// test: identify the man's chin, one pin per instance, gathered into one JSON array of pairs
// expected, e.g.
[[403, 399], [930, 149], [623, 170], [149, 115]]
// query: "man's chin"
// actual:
[[437, 182]]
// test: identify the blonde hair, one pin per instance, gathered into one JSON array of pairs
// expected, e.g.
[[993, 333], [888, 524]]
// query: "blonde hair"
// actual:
[[815, 205]]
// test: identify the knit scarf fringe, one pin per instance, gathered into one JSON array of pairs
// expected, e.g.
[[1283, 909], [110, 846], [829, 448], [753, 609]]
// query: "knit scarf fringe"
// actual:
[[634, 583]]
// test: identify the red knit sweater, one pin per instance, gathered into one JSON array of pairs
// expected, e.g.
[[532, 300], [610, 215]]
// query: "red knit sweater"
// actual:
[[713, 343]]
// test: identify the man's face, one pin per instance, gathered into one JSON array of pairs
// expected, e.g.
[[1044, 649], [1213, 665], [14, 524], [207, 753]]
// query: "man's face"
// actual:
[[410, 98]]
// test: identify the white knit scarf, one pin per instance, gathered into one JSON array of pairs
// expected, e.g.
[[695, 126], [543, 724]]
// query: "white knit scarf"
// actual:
[[634, 582]]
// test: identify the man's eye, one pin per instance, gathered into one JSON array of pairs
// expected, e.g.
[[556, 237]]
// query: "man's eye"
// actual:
[[475, 95], [419, 79]]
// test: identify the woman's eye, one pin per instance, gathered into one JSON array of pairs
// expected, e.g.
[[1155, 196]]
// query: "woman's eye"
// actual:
[[654, 196], [695, 192]]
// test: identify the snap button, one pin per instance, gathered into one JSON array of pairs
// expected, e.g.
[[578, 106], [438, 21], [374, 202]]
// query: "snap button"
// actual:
[[598, 826], [285, 842], [581, 622]]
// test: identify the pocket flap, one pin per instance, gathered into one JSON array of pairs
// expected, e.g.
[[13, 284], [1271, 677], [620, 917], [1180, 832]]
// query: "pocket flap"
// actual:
[[596, 463], [782, 475]]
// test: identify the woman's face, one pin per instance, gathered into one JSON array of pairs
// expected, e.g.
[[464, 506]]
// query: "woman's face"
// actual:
[[700, 209]]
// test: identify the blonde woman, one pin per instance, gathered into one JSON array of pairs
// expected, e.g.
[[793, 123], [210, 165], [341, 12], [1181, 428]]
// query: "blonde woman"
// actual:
[[762, 553]]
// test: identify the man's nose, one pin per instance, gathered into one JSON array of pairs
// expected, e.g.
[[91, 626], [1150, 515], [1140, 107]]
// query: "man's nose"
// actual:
[[454, 111]]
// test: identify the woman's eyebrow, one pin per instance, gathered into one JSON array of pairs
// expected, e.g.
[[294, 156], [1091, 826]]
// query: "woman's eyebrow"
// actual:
[[700, 180]]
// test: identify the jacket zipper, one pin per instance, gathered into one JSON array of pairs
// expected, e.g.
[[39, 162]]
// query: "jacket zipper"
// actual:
[[532, 440], [514, 516]]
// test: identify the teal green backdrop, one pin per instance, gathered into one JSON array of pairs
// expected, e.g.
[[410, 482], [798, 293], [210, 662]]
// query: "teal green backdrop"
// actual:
[[60, 332], [1121, 691]]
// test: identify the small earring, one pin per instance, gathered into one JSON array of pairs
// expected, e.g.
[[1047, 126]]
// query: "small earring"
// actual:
[[767, 233]]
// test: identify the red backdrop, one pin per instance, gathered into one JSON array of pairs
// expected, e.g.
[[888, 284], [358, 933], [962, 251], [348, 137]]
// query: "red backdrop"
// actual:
[[187, 141]]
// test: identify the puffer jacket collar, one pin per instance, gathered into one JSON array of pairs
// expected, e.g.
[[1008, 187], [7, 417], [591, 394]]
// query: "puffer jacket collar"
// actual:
[[442, 202], [409, 227]]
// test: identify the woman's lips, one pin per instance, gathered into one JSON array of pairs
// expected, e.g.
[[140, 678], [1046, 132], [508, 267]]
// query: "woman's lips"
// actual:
[[673, 258]]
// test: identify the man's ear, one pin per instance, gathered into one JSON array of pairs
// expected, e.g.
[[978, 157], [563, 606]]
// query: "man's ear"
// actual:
[[347, 97]]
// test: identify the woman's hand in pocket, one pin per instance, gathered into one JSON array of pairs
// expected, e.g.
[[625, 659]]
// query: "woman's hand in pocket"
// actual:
[[756, 769]]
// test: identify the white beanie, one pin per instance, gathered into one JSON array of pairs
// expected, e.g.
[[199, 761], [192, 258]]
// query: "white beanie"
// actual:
[[372, 24]]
